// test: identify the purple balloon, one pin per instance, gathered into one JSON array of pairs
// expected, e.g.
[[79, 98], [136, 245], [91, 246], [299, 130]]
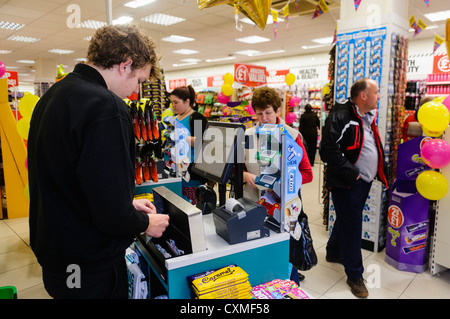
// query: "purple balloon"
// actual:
[[436, 153]]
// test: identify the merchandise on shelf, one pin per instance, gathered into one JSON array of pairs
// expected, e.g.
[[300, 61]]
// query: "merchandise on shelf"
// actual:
[[438, 84]]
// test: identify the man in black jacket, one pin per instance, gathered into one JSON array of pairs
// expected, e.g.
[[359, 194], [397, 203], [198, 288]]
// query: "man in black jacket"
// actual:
[[352, 151], [81, 154]]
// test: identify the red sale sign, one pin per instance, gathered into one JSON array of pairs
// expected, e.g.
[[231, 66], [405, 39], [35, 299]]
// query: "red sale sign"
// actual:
[[276, 76], [173, 84], [441, 63], [250, 75], [13, 78]]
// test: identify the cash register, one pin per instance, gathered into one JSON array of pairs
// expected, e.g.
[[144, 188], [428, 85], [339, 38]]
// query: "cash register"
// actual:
[[240, 220]]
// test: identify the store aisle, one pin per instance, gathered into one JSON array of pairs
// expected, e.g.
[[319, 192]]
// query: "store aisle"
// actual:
[[18, 266]]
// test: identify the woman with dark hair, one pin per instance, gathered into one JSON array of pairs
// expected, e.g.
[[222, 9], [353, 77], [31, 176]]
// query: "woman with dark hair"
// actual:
[[182, 99]]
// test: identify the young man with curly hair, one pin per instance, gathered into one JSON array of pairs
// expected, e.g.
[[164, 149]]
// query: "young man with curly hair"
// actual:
[[81, 153]]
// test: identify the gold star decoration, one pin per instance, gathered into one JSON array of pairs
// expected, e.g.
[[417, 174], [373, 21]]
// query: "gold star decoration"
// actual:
[[255, 10]]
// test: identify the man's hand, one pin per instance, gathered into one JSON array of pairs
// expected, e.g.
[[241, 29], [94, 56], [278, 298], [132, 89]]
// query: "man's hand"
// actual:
[[249, 179], [157, 224], [144, 205]]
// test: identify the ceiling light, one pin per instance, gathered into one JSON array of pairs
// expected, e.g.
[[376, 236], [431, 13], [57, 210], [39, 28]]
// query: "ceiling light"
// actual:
[[5, 52], [177, 39], [162, 19], [80, 59], [327, 40], [253, 39], [25, 61], [221, 59], [269, 52], [92, 24], [248, 52], [138, 3], [307, 47], [22, 39], [60, 51], [190, 60], [122, 20], [11, 25], [184, 64], [185, 51], [438, 16]]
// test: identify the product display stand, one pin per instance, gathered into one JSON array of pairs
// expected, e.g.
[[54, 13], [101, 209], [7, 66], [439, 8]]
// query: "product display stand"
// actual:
[[279, 156], [440, 242]]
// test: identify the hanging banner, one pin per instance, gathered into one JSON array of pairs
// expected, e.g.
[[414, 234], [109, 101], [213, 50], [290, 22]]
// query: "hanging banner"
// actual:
[[437, 42], [420, 27], [286, 15], [357, 3], [275, 22], [320, 9], [250, 75], [427, 2]]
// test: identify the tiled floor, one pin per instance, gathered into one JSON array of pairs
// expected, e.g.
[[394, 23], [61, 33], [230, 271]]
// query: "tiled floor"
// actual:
[[19, 268]]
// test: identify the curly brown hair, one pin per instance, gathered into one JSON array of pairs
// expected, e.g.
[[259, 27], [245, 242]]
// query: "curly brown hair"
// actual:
[[263, 97], [114, 44]]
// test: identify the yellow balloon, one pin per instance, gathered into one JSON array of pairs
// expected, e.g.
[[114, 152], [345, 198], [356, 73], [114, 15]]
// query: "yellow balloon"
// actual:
[[27, 104], [434, 116], [439, 99], [431, 185], [228, 78], [227, 89], [290, 79], [23, 127], [431, 133]]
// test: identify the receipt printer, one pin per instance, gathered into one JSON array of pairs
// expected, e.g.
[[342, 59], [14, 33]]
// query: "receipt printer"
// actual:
[[240, 220]]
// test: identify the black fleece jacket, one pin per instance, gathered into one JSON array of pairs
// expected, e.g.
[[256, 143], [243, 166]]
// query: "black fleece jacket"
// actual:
[[81, 158], [341, 144]]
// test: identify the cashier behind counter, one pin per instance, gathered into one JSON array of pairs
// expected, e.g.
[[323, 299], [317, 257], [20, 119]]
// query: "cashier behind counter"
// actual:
[[240, 220]]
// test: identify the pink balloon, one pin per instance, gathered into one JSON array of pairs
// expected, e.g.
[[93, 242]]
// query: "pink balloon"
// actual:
[[250, 109], [222, 98], [436, 153], [294, 101], [291, 117], [2, 68], [446, 102]]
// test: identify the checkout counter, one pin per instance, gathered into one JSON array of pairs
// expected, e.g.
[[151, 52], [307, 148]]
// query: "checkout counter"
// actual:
[[194, 243]]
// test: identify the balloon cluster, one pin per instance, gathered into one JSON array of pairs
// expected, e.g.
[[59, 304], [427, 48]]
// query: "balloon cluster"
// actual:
[[434, 117], [227, 88]]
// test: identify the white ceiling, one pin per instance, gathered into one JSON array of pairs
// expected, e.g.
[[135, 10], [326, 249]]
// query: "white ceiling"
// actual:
[[213, 29]]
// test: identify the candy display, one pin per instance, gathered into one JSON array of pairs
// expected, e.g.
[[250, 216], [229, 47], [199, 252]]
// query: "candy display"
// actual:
[[230, 282], [279, 289]]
